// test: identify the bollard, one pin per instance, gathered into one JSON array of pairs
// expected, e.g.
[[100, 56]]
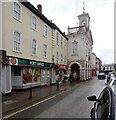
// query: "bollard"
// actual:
[[30, 92], [57, 85]]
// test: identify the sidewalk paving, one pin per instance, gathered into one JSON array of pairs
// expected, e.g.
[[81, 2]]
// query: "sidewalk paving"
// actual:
[[20, 98]]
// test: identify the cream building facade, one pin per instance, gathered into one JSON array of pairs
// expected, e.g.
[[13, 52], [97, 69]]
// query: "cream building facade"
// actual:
[[80, 48], [30, 43]]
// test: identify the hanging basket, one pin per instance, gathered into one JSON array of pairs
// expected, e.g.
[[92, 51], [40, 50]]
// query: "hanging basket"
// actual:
[[4, 61]]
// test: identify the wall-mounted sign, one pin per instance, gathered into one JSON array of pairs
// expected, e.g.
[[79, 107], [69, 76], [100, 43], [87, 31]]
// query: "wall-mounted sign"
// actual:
[[13, 61]]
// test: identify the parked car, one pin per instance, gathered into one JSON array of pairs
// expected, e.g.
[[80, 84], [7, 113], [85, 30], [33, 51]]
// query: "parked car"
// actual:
[[105, 106], [101, 76]]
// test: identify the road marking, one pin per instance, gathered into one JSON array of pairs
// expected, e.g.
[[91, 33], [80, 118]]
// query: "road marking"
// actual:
[[26, 108]]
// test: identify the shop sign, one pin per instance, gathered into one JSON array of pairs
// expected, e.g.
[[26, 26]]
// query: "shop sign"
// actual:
[[33, 63], [62, 67], [13, 61]]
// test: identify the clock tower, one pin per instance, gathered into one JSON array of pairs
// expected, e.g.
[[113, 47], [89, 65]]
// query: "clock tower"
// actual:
[[84, 20]]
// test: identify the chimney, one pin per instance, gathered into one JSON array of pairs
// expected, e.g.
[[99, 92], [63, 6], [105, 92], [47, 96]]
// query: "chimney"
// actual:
[[39, 7], [51, 21], [64, 33]]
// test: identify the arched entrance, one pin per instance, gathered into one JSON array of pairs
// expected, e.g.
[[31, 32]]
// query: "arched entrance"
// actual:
[[75, 68]]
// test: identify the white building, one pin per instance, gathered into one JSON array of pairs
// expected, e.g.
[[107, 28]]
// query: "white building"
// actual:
[[80, 48]]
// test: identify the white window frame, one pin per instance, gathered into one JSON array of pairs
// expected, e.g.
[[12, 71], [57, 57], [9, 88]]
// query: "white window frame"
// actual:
[[65, 60], [61, 42], [35, 23], [61, 58], [34, 47], [57, 38], [75, 48], [45, 30], [45, 51], [57, 59], [65, 44], [17, 12], [14, 49]]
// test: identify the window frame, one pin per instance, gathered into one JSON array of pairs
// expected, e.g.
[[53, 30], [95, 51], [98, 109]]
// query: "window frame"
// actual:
[[14, 49], [45, 30], [73, 48], [57, 37], [33, 47], [61, 42], [61, 58], [32, 22], [57, 59], [20, 13], [45, 51]]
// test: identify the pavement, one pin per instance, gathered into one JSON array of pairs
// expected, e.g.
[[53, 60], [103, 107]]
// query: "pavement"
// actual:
[[21, 98]]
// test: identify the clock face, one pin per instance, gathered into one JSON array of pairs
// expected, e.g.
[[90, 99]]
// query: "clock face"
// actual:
[[83, 22]]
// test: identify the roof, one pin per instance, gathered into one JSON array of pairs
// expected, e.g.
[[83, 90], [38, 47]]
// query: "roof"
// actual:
[[41, 16], [59, 30]]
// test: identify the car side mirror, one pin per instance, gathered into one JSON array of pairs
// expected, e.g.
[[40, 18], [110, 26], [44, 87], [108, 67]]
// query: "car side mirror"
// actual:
[[92, 98]]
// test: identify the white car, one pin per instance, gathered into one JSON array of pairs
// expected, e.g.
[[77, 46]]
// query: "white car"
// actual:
[[112, 80]]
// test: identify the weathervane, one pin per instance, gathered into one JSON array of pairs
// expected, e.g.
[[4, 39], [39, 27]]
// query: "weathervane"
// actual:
[[83, 8]]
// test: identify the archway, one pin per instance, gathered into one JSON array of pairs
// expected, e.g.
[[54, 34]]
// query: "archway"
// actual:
[[75, 68]]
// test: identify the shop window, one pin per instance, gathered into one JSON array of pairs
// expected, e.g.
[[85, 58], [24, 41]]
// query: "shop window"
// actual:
[[17, 71]]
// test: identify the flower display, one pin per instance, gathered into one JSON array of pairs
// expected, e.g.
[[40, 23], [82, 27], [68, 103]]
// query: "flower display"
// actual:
[[4, 61]]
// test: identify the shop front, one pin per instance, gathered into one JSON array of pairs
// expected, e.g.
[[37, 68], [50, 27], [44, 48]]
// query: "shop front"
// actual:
[[62, 72], [28, 73]]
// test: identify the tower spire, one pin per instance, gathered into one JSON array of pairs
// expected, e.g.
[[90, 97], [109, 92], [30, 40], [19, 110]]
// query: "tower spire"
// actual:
[[83, 7]]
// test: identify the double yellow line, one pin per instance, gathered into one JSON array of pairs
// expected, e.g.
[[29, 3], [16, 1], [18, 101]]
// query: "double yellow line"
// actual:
[[26, 108]]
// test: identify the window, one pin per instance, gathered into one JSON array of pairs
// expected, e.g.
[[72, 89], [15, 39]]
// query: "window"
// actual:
[[17, 41], [57, 38], [61, 42], [34, 23], [74, 48], [61, 59], [103, 107], [45, 31], [17, 11], [45, 51], [34, 47], [65, 60], [57, 58], [65, 45]]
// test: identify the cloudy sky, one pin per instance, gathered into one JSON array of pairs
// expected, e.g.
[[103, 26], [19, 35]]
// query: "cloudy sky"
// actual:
[[64, 13]]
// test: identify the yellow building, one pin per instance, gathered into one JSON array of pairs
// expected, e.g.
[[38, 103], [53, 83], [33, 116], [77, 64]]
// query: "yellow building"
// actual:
[[30, 42]]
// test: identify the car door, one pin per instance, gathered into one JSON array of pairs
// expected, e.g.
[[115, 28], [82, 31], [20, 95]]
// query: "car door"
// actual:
[[103, 107]]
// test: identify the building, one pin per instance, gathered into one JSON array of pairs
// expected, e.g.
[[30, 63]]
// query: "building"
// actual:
[[80, 48], [97, 65], [93, 64], [29, 47], [106, 68]]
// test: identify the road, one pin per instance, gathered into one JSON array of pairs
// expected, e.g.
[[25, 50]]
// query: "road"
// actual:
[[69, 104]]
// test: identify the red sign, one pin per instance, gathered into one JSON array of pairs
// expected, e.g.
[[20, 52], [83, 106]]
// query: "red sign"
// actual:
[[61, 67], [13, 61]]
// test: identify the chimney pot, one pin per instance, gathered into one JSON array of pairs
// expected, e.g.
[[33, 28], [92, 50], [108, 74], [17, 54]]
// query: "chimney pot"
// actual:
[[39, 7]]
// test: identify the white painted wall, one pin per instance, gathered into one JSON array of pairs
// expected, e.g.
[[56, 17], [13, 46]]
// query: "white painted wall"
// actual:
[[1, 25]]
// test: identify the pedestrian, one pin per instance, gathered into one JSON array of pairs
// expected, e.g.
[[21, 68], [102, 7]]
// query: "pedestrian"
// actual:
[[71, 78]]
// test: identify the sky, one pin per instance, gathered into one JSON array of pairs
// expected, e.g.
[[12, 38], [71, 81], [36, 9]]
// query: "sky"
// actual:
[[64, 13]]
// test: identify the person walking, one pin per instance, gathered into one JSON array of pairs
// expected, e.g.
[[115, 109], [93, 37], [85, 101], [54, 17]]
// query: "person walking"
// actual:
[[71, 78]]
